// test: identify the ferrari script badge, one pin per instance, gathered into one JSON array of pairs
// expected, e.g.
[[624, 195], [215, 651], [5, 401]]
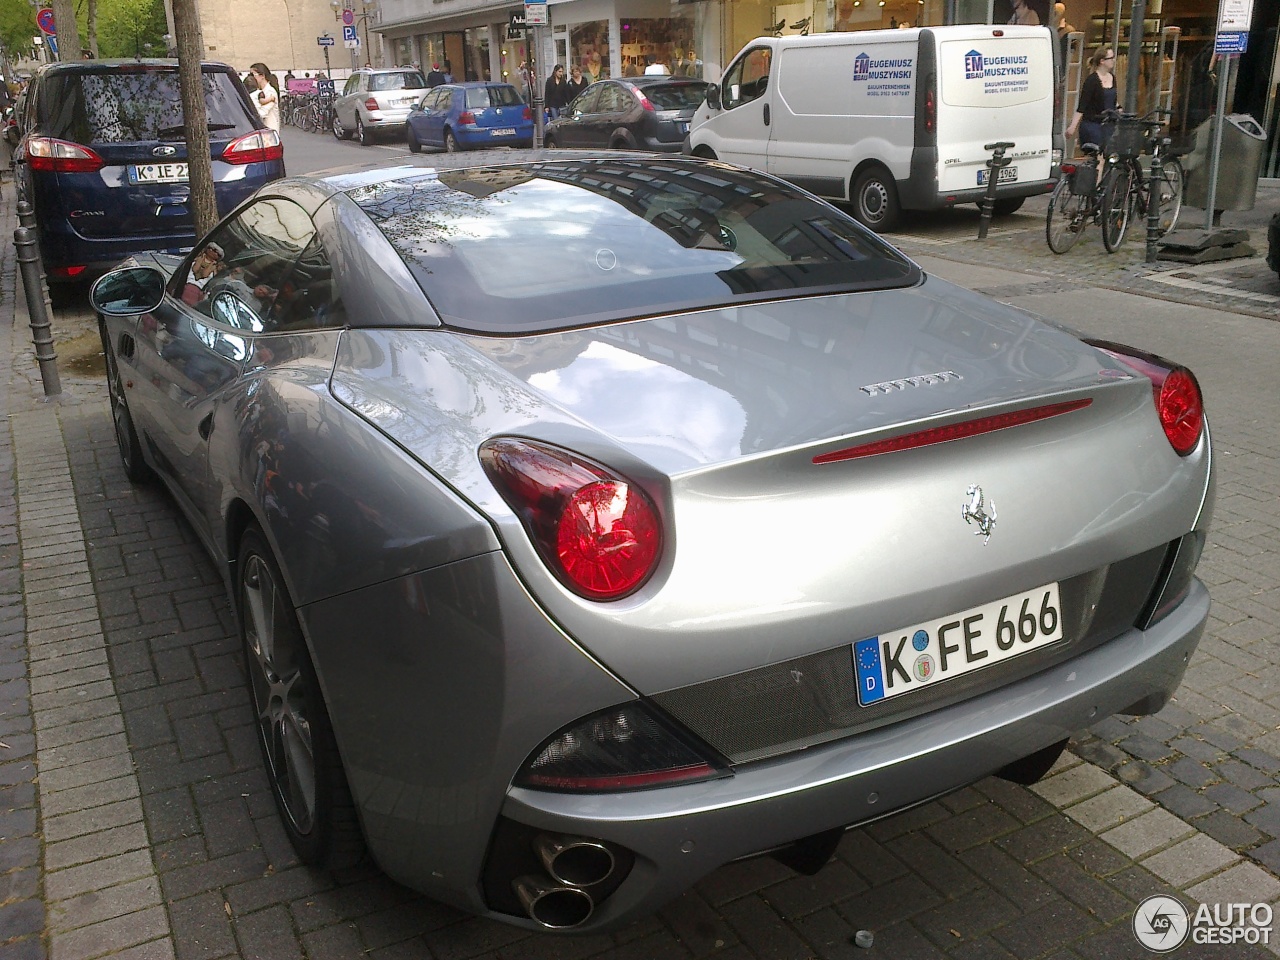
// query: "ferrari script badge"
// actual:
[[979, 511]]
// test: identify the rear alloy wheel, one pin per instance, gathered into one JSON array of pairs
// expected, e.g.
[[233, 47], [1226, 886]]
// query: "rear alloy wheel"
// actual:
[[362, 133], [135, 467], [875, 200], [294, 732], [450, 142]]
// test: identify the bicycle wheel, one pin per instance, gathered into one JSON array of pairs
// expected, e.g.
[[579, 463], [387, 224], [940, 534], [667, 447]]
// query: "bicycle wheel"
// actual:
[[307, 120], [1067, 218], [1119, 198], [1172, 182]]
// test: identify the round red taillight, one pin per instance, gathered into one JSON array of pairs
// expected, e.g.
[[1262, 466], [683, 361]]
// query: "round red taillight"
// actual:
[[1181, 410], [607, 539], [598, 533]]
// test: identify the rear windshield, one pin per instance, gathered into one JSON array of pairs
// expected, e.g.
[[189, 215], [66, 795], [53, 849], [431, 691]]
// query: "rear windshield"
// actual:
[[676, 96], [408, 80], [568, 243], [137, 103], [480, 97]]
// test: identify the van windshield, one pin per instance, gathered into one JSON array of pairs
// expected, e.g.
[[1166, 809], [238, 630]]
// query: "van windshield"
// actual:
[[136, 103]]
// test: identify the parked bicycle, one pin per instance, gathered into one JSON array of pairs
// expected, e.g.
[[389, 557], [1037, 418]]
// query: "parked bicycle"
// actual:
[[1113, 191], [1129, 192]]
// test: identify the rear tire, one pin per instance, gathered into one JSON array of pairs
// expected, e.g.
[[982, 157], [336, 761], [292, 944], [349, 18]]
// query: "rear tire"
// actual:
[[362, 133], [875, 200], [294, 732], [414, 145], [549, 143], [1117, 207], [451, 143], [1066, 219]]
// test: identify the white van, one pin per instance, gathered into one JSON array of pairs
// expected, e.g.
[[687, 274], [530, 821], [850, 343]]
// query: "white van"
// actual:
[[889, 119]]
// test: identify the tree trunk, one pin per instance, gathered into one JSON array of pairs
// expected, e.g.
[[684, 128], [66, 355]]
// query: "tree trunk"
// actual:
[[64, 18], [190, 43], [91, 23]]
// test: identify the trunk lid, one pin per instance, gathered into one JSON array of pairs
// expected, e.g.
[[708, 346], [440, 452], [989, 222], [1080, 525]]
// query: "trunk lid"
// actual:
[[720, 413]]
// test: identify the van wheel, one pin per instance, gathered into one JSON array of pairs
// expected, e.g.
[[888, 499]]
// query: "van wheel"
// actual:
[[1006, 205], [875, 200], [704, 153]]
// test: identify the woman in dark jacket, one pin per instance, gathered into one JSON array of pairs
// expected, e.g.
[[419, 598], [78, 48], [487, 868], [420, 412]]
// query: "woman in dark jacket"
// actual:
[[1097, 96], [556, 97], [577, 83]]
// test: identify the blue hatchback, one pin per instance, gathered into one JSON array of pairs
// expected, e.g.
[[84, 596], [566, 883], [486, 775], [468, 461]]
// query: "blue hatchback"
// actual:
[[103, 158], [460, 116]]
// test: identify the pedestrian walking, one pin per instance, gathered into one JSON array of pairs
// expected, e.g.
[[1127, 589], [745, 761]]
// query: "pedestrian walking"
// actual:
[[556, 94], [434, 76], [577, 83], [267, 98], [1097, 98]]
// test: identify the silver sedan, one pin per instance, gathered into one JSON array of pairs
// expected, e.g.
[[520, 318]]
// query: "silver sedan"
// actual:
[[592, 523]]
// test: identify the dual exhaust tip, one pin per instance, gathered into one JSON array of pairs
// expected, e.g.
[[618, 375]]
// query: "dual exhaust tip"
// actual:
[[559, 900]]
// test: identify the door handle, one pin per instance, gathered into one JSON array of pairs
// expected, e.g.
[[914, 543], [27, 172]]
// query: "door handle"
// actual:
[[766, 115]]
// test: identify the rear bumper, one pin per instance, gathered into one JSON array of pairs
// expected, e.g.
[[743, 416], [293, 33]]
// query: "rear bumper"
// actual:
[[480, 137], [662, 146], [679, 834]]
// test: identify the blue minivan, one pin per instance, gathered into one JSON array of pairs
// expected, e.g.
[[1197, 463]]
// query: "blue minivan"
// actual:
[[103, 158]]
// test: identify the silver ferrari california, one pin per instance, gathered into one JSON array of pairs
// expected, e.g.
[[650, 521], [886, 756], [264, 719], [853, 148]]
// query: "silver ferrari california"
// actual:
[[592, 523]]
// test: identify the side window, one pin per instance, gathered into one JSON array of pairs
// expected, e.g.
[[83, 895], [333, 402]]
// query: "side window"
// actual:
[[589, 100], [308, 298], [246, 260], [747, 79], [353, 84], [614, 99]]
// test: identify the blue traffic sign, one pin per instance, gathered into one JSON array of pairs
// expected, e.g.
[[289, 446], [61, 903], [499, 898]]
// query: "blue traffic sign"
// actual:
[[349, 33], [325, 41], [44, 20], [1232, 42]]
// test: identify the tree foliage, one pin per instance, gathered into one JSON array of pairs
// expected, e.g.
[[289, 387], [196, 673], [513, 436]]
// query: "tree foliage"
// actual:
[[125, 27]]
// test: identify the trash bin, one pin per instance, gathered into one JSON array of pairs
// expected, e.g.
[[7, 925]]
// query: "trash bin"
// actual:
[[1239, 164]]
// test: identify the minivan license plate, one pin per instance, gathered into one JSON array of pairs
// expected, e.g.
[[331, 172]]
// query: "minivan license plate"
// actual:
[[918, 656], [158, 173], [1008, 174]]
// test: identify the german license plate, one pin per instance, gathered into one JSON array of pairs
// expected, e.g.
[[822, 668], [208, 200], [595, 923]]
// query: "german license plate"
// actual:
[[158, 173], [682, 126], [915, 657], [1008, 174], [502, 132]]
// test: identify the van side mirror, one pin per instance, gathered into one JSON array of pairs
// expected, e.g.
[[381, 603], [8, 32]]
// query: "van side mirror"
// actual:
[[713, 96]]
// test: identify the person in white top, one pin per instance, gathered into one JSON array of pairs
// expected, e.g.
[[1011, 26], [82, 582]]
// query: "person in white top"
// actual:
[[655, 68], [267, 99]]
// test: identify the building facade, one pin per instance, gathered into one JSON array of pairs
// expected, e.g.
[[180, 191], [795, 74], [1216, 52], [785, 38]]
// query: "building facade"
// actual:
[[610, 38]]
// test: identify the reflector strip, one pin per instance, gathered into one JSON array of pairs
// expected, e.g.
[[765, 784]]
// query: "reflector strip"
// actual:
[[953, 431], [623, 781]]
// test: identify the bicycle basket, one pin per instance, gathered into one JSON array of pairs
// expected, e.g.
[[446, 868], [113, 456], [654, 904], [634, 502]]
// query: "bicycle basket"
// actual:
[[1085, 180], [1130, 137]]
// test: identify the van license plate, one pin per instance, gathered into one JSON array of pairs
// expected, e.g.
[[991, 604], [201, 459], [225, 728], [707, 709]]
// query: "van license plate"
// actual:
[[1008, 174], [158, 173], [918, 656]]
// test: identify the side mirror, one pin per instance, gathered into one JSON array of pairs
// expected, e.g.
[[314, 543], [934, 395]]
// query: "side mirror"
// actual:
[[713, 96], [128, 292]]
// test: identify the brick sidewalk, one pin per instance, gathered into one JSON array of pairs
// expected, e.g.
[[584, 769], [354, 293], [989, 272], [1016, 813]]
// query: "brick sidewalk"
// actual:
[[151, 832]]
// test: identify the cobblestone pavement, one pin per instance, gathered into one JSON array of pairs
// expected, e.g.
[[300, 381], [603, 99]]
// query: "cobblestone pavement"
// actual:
[[149, 831]]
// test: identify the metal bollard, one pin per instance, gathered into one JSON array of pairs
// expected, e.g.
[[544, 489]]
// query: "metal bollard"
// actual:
[[997, 163], [1154, 179], [26, 214], [24, 242]]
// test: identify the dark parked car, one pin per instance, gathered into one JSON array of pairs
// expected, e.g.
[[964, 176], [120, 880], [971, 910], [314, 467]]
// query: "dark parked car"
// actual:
[[103, 158], [592, 523], [642, 113], [461, 116]]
